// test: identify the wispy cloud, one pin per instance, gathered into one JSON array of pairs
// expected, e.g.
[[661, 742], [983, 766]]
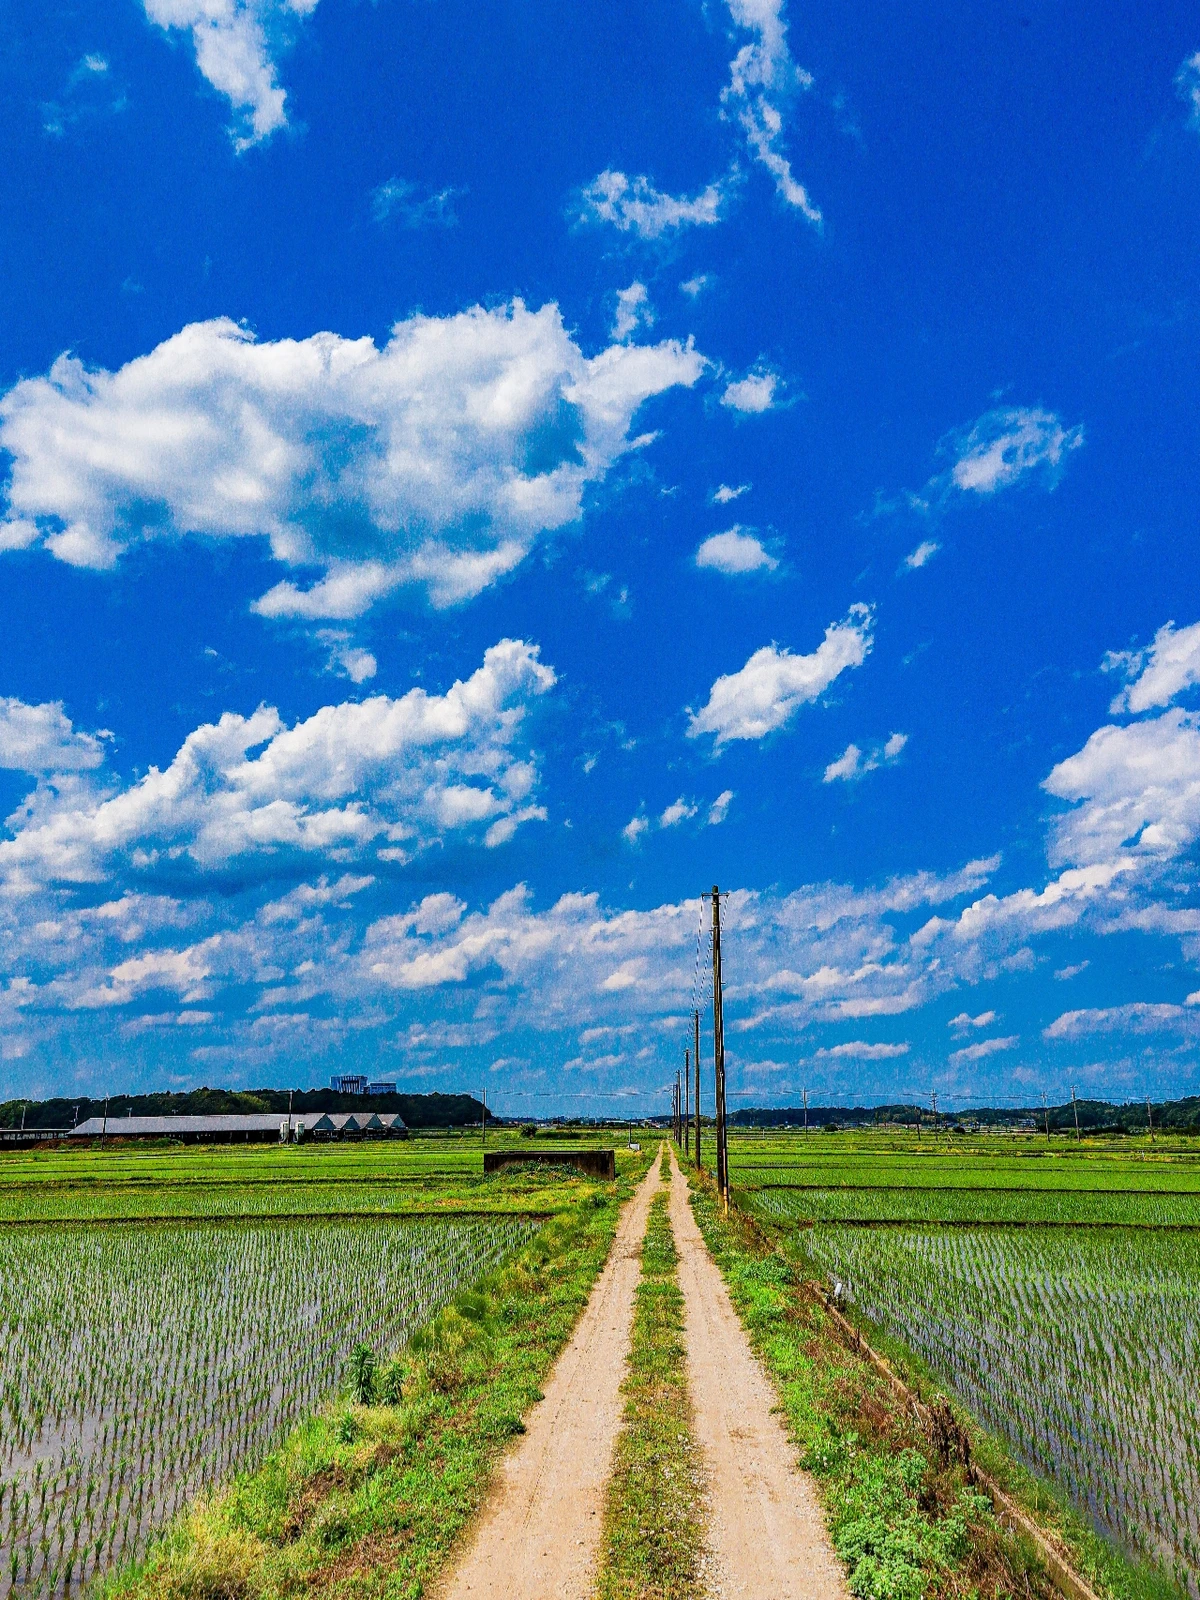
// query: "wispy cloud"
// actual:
[[856, 763], [763, 78], [408, 204], [634, 205]]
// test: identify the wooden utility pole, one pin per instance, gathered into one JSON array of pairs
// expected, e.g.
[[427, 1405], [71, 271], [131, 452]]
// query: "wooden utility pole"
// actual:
[[483, 1120], [719, 1050], [687, 1104], [1046, 1116], [1075, 1108], [1149, 1119], [805, 1093], [696, 1068]]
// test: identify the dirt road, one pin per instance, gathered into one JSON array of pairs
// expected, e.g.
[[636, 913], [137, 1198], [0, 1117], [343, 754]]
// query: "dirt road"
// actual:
[[538, 1535], [767, 1535]]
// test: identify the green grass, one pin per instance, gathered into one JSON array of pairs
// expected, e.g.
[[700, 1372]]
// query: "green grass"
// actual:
[[653, 1541], [367, 1500], [906, 1524]]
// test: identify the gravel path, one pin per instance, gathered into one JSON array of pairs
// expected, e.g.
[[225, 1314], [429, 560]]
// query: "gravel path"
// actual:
[[538, 1535], [767, 1533]]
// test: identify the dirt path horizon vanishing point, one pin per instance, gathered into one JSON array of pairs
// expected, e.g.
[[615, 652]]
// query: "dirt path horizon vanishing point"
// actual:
[[767, 1536], [538, 1534]]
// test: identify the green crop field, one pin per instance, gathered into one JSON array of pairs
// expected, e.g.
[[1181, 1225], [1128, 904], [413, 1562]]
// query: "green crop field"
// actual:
[[167, 1316], [1054, 1286]]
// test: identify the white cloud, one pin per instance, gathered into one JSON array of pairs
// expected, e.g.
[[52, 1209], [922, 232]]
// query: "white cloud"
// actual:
[[848, 765], [854, 763], [1187, 81], [634, 311], [1138, 1017], [725, 494], [634, 205], [753, 394], [774, 684], [719, 809], [400, 201], [1157, 675], [1007, 445], [1004, 447], [762, 77], [1064, 974], [438, 460], [678, 811], [985, 1048], [235, 43], [964, 1020], [634, 829], [859, 1050], [381, 776], [41, 739], [734, 552], [1135, 793], [695, 286], [924, 553], [346, 658]]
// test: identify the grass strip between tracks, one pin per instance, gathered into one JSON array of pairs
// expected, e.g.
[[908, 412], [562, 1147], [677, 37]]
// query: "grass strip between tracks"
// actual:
[[901, 1512], [367, 1500], [653, 1542]]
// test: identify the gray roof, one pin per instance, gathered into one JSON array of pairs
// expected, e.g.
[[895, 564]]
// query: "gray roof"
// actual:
[[258, 1122]]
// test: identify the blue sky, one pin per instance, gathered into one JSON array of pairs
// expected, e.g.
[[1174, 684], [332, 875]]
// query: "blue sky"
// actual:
[[475, 477]]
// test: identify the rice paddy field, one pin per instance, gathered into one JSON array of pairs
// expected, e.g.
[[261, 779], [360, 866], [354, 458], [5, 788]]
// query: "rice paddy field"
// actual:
[[167, 1317], [1053, 1286]]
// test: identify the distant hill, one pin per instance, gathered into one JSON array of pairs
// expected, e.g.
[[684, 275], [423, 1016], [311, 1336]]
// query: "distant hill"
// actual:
[[418, 1110], [1095, 1116]]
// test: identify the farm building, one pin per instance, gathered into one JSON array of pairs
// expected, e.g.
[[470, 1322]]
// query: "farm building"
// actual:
[[259, 1127]]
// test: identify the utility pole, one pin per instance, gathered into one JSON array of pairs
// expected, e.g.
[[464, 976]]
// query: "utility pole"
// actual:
[[696, 1068], [933, 1108], [1149, 1119], [483, 1120], [805, 1093], [104, 1125], [289, 1133], [1046, 1116], [1075, 1108], [719, 1050], [687, 1105]]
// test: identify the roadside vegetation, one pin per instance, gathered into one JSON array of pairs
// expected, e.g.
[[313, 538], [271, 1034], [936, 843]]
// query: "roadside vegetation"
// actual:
[[902, 1510], [653, 1541], [367, 1496]]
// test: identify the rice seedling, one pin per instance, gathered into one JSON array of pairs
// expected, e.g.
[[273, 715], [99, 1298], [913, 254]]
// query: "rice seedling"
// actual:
[[1079, 1345], [145, 1364]]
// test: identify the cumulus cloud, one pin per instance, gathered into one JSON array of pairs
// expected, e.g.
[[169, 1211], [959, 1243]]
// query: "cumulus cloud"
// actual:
[[719, 809], [985, 1048], [379, 777], [41, 738], [634, 829], [678, 811], [724, 494], [634, 205], [345, 657], [438, 460], [752, 394], [762, 79], [856, 763], [1135, 793], [235, 43], [735, 551], [1166, 669], [767, 692], [964, 1021]]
